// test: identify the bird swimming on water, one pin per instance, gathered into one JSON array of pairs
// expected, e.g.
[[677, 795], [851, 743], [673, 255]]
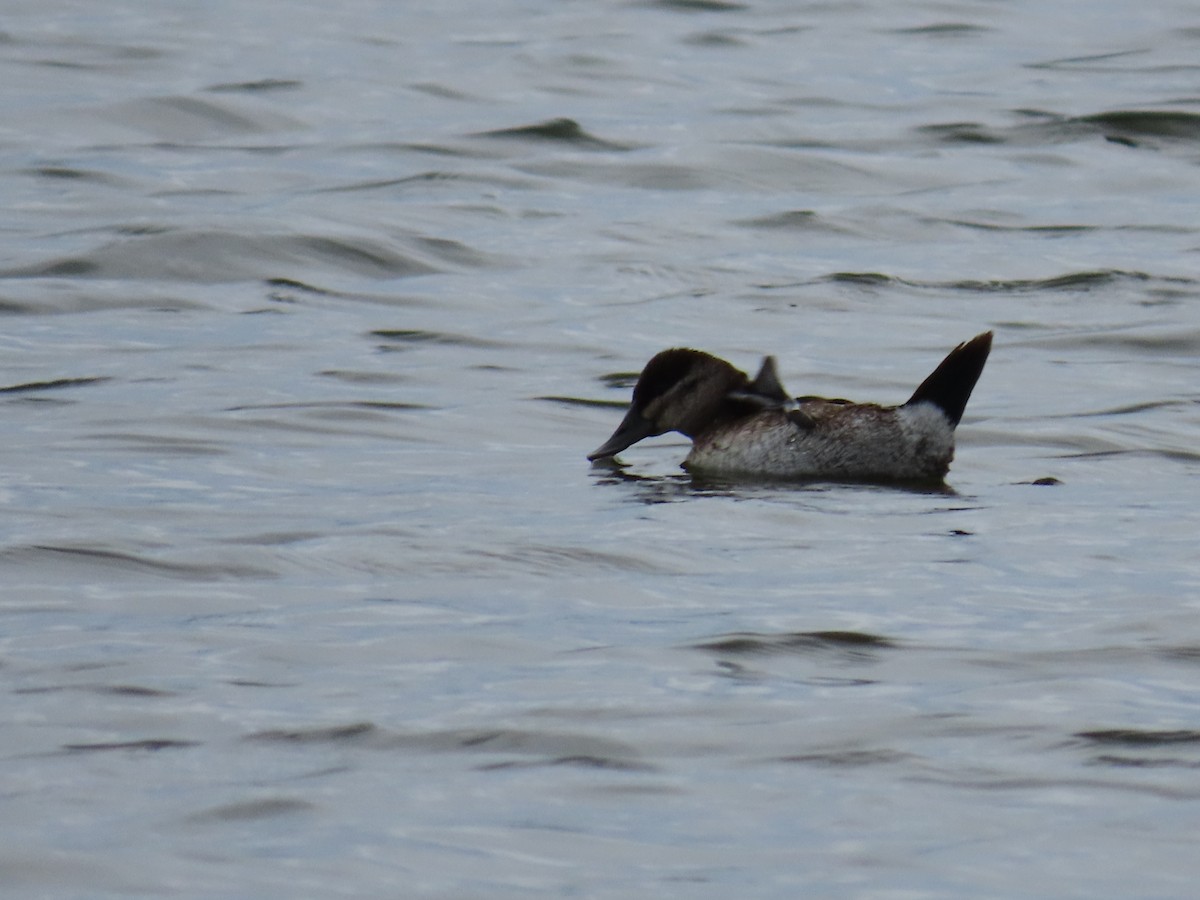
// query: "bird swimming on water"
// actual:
[[740, 427]]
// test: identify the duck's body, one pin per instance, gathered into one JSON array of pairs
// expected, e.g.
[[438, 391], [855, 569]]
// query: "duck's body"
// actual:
[[750, 428], [846, 441]]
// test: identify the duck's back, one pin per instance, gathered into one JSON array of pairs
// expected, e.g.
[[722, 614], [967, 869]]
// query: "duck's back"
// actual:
[[829, 439]]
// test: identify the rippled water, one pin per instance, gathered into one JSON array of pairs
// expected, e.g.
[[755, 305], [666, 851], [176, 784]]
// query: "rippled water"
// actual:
[[312, 314]]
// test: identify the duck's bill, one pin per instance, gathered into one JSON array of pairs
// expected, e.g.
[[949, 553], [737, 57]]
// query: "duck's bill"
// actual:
[[631, 430]]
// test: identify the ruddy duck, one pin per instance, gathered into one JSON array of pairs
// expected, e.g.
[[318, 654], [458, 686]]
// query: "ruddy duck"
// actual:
[[753, 428]]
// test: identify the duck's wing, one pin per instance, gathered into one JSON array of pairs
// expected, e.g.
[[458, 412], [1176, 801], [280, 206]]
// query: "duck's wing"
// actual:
[[766, 383], [766, 391]]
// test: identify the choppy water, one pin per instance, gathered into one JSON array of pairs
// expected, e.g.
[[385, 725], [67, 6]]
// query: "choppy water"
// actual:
[[312, 313]]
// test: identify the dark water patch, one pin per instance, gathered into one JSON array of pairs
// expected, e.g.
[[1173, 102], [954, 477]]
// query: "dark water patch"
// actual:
[[743, 673], [558, 131], [79, 64], [1071, 281], [850, 642], [545, 560], [791, 220], [130, 690], [1135, 124], [156, 444], [254, 87], [1131, 128], [643, 176], [117, 690], [444, 183], [621, 380], [406, 336], [1135, 737], [1148, 742], [865, 279], [550, 745], [335, 405], [365, 378], [1141, 762], [364, 257], [961, 133], [16, 308], [355, 732], [1129, 409], [253, 810], [1166, 296], [284, 287], [53, 385], [184, 119], [944, 29], [276, 538], [606, 763], [1189, 653], [292, 290], [455, 253], [420, 179], [584, 401], [647, 489], [1036, 786], [695, 6], [1175, 342], [456, 151], [61, 268], [62, 49], [140, 228], [714, 39], [1089, 61], [675, 488], [293, 284], [216, 257], [104, 562], [1028, 229], [338, 420], [442, 91], [71, 173], [149, 744], [848, 759], [1173, 455]]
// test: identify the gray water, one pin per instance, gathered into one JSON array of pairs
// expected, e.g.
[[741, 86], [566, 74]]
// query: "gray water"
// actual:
[[311, 313]]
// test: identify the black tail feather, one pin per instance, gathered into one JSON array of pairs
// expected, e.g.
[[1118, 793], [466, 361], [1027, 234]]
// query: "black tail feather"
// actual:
[[949, 387]]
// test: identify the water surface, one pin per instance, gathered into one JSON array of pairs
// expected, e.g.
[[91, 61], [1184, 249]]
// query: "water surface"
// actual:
[[311, 318]]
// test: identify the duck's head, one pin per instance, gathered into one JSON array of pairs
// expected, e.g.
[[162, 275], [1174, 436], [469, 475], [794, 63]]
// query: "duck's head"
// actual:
[[679, 390]]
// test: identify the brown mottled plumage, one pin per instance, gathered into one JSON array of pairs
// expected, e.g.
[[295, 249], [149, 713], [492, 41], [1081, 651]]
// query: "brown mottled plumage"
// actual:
[[744, 427]]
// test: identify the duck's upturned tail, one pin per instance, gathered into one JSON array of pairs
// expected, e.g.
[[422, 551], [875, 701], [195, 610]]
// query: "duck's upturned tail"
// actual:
[[949, 387]]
